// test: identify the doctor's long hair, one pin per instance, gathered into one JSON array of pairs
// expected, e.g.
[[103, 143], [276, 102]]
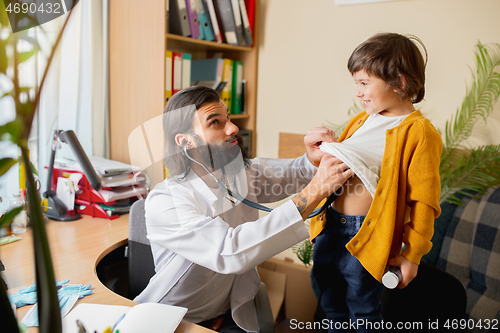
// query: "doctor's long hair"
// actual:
[[178, 118]]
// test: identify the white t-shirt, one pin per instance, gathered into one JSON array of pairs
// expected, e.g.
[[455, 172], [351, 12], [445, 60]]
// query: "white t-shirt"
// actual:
[[363, 151]]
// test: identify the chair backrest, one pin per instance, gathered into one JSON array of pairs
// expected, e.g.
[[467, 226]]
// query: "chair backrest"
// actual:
[[140, 259]]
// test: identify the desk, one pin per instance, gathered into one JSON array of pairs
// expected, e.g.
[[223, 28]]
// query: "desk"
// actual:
[[76, 248]]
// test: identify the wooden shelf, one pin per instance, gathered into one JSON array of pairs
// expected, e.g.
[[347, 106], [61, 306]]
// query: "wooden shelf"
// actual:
[[239, 116], [137, 78], [197, 44]]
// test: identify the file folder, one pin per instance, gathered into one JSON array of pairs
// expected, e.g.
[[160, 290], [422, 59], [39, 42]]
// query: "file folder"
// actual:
[[213, 19], [250, 5], [205, 26], [238, 23], [247, 32], [227, 76], [192, 13], [237, 87], [186, 71], [207, 72], [168, 75], [178, 21], [176, 72], [224, 11]]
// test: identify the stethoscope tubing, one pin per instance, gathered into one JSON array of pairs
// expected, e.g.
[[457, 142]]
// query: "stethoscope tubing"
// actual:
[[252, 204]]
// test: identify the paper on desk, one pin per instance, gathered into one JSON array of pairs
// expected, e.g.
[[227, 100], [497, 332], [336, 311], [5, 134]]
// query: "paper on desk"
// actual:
[[102, 166], [145, 317]]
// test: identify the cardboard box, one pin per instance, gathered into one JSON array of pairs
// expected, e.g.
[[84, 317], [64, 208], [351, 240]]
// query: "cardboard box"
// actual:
[[299, 299]]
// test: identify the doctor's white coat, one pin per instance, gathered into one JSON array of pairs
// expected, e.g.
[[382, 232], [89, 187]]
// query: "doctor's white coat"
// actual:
[[189, 223]]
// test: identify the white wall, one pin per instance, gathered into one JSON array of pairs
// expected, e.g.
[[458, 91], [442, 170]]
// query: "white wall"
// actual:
[[305, 44]]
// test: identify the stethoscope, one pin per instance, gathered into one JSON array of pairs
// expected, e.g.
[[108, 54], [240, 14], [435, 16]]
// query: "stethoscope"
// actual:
[[252, 204]]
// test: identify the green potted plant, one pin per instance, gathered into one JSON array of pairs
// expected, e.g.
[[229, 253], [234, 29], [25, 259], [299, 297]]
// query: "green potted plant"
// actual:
[[463, 170], [17, 132]]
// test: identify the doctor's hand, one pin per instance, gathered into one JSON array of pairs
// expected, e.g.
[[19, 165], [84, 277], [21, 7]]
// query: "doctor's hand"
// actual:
[[408, 270], [331, 175], [313, 139]]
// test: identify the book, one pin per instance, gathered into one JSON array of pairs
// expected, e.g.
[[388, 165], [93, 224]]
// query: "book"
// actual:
[[168, 75], [237, 87], [213, 20], [224, 11], [206, 32], [176, 72], [247, 32], [186, 71], [250, 6], [238, 22], [178, 22], [227, 76], [192, 12], [144, 317], [207, 72]]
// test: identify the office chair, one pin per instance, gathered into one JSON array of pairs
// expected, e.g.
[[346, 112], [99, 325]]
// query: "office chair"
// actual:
[[141, 266], [140, 259]]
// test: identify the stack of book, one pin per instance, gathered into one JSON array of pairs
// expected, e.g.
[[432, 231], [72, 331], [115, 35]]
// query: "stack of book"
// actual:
[[121, 185], [229, 21]]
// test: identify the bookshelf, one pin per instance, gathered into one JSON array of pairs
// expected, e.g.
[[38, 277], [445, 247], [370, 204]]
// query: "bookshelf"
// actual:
[[138, 41]]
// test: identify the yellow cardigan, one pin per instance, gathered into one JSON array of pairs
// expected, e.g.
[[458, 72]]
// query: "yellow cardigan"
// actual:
[[406, 200]]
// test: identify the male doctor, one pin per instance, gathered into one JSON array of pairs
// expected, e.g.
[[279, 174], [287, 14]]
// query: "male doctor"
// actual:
[[205, 243]]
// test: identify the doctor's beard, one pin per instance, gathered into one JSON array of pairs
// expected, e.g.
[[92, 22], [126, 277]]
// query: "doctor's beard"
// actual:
[[223, 155]]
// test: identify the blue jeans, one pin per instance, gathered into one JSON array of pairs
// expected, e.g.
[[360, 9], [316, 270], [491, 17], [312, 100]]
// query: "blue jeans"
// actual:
[[350, 296]]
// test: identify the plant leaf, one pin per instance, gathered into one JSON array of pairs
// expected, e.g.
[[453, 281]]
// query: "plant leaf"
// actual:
[[6, 164], [33, 169], [476, 170], [3, 57], [9, 216], [13, 129], [480, 97], [23, 56]]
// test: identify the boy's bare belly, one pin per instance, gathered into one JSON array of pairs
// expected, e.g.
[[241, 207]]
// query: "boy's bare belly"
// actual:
[[354, 199]]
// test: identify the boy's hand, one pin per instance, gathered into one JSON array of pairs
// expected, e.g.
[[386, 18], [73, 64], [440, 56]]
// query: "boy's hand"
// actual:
[[408, 270], [313, 139]]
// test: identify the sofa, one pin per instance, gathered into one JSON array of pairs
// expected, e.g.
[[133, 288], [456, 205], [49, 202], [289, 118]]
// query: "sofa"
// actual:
[[466, 244]]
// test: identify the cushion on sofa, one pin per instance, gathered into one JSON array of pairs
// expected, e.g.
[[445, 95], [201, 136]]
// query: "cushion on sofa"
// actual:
[[471, 252]]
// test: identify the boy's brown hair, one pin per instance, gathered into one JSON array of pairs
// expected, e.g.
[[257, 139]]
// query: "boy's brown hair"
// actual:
[[396, 59]]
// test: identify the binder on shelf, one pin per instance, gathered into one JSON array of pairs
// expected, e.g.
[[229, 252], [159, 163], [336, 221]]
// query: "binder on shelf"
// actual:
[[238, 23], [176, 72], [207, 72], [224, 11], [178, 22], [250, 6], [237, 87], [243, 96], [247, 32], [167, 5], [209, 4], [205, 26], [192, 13], [227, 76], [186, 71], [168, 75]]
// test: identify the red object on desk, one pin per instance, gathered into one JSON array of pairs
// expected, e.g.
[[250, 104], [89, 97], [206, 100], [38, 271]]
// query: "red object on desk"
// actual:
[[92, 209], [87, 198]]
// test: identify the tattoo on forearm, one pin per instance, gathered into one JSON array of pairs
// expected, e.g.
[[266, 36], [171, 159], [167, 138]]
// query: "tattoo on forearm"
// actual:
[[300, 202]]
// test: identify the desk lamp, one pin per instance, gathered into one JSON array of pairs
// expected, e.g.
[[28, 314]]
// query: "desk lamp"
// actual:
[[57, 210]]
